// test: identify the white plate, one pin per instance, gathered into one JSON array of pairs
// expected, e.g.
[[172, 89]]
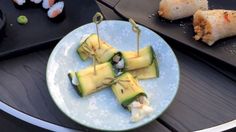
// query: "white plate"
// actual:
[[101, 110]]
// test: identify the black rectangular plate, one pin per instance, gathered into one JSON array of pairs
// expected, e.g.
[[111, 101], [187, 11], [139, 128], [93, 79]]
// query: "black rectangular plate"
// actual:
[[145, 12], [40, 30]]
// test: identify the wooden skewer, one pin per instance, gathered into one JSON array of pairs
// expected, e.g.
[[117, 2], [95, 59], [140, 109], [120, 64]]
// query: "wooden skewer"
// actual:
[[97, 19], [94, 65], [94, 59], [136, 29]]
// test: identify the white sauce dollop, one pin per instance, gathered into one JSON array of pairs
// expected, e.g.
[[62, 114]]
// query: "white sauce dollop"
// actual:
[[140, 109]]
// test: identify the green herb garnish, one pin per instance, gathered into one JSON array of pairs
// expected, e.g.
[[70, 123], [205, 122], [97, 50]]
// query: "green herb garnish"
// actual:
[[22, 19]]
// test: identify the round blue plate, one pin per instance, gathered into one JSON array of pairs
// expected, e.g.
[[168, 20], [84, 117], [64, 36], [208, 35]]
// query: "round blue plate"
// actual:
[[101, 110]]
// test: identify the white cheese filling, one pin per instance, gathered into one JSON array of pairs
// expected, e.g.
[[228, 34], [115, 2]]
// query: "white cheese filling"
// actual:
[[74, 79], [120, 64], [140, 109]]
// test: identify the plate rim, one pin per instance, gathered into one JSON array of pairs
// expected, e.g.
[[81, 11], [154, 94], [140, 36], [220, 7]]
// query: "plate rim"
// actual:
[[96, 128]]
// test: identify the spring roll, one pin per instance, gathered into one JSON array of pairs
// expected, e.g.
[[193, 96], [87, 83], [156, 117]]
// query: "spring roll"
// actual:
[[177, 9], [89, 45], [213, 25], [132, 96]]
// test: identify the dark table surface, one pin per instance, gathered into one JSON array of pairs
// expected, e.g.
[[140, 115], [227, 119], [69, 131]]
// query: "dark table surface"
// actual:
[[205, 98]]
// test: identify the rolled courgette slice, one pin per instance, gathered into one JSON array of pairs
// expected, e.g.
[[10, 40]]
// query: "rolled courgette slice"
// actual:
[[74, 81], [148, 72], [90, 44], [127, 89], [132, 61], [151, 71], [125, 63], [89, 83]]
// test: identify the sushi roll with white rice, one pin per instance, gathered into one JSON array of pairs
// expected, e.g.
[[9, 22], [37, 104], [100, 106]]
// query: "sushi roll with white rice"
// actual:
[[48, 3], [56, 12]]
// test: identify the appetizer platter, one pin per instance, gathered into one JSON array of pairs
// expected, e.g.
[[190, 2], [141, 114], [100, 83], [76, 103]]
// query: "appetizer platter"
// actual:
[[206, 26], [112, 75], [31, 24]]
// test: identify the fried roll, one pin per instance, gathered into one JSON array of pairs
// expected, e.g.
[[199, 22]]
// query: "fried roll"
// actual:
[[213, 25], [177, 9]]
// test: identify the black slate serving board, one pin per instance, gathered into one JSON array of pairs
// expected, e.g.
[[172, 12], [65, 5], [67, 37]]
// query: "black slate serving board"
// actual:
[[40, 30], [145, 12]]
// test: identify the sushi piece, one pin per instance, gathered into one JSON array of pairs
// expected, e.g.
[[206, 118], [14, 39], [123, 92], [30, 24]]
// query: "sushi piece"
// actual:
[[86, 82], [213, 25], [20, 4], [89, 44], [48, 3], [132, 96], [57, 12], [177, 9]]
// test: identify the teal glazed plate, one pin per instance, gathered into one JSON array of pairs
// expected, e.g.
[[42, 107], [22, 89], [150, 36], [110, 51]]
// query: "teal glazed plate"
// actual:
[[101, 110]]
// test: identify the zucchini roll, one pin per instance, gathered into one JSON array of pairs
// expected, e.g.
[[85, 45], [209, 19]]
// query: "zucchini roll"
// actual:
[[89, 44], [132, 96], [143, 66], [148, 72], [213, 25], [177, 9], [129, 60], [86, 82]]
